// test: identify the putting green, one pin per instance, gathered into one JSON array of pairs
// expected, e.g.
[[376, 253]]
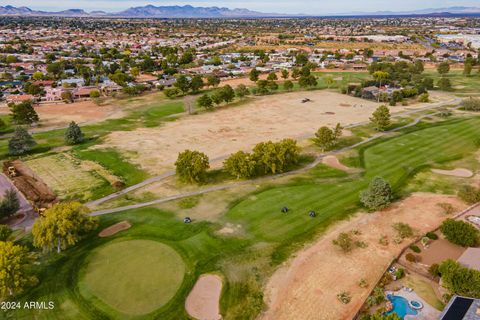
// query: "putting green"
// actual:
[[133, 277]]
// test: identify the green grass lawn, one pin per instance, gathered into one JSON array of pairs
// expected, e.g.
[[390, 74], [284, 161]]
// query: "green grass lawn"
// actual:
[[268, 236], [135, 277], [462, 85]]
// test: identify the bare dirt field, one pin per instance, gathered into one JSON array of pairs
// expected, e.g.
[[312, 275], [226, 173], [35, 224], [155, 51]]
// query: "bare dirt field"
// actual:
[[203, 301], [459, 172], [114, 229], [439, 251], [306, 287], [56, 115], [230, 129]]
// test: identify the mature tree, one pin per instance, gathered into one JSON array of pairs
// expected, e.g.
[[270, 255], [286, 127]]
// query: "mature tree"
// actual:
[[73, 134], [135, 72], [444, 84], [301, 59], [380, 76], [182, 83], [37, 76], [443, 68], [295, 73], [307, 81], [254, 75], [21, 142], [5, 232], [324, 138], [9, 204], [23, 113], [272, 76], [227, 93], [67, 96], [213, 81], [240, 165], [378, 195], [272, 85], [192, 166], [262, 86], [285, 74], [241, 91], [15, 269], [62, 225], [276, 157], [460, 232], [217, 96], [205, 102], [196, 83], [460, 280], [288, 85], [381, 118]]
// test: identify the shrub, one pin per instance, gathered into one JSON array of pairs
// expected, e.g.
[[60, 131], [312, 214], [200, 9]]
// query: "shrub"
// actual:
[[460, 232], [5, 232], [73, 134], [411, 257], [434, 270], [471, 104], [469, 194], [415, 248], [361, 244], [383, 240], [344, 241], [363, 283], [400, 273], [424, 97], [403, 230], [446, 207], [432, 235], [344, 297]]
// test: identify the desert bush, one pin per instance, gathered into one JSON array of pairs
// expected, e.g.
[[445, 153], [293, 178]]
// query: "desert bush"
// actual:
[[344, 297], [344, 241], [469, 194], [403, 230], [446, 207]]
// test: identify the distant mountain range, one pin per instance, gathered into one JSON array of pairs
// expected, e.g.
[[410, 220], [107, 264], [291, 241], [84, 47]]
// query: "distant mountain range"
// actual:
[[188, 11]]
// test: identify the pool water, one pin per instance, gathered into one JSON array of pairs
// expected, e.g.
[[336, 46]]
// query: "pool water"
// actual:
[[400, 306]]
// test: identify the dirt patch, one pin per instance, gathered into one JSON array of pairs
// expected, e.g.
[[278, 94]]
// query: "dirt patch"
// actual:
[[203, 301], [114, 229], [230, 129], [439, 251], [306, 287], [58, 115], [459, 172], [230, 229], [332, 161]]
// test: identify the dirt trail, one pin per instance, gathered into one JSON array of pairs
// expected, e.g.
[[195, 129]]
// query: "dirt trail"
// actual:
[[306, 287]]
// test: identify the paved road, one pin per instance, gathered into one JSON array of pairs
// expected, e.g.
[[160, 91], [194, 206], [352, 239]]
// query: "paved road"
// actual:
[[308, 167]]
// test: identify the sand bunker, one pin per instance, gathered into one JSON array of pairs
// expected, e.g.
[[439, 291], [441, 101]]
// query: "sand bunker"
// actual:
[[333, 162], [459, 172], [113, 229], [306, 287], [203, 301]]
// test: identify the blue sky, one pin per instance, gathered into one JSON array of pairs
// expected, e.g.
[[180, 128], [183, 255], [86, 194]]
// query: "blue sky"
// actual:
[[278, 6]]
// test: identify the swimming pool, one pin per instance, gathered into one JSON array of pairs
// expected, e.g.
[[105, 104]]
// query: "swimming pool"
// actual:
[[400, 306]]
